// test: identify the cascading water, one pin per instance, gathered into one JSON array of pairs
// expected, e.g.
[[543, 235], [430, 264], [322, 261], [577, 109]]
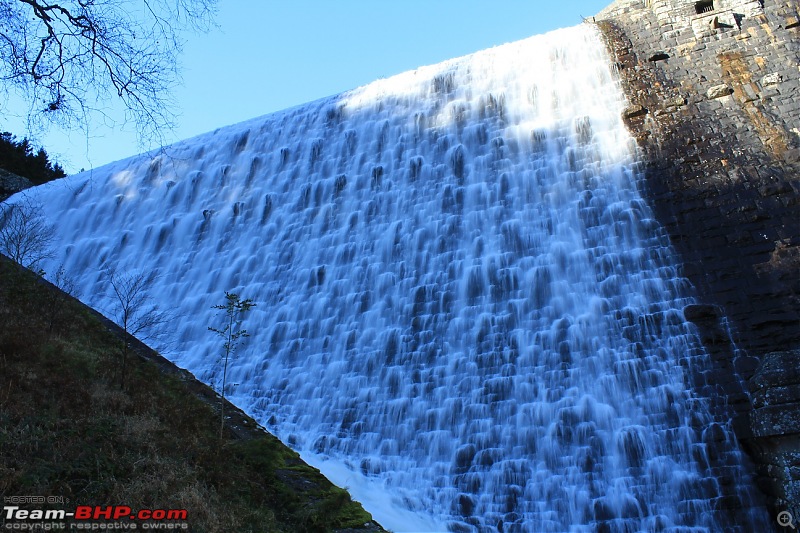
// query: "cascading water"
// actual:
[[462, 298]]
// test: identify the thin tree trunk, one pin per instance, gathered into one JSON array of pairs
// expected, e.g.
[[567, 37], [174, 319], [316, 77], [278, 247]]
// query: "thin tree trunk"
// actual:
[[222, 400], [224, 378]]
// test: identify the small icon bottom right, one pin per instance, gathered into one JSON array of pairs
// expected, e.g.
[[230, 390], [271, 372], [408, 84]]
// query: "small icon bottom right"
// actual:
[[785, 519]]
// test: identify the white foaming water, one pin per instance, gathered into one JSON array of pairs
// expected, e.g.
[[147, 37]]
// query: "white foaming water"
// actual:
[[466, 313]]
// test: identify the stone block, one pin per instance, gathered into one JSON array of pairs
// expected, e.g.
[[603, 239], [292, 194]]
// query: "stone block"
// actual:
[[769, 93], [777, 369], [634, 111], [748, 94], [788, 395], [771, 79], [792, 155], [775, 421], [702, 313]]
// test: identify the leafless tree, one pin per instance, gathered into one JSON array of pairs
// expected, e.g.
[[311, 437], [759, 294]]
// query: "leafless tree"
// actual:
[[25, 234], [57, 297], [232, 333], [136, 312], [68, 59]]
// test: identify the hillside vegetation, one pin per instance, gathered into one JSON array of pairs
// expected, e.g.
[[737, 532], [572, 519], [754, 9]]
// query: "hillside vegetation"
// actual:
[[67, 429], [21, 158]]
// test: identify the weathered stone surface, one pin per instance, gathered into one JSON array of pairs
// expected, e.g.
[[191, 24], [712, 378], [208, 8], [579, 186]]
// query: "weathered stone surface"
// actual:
[[788, 395], [722, 173], [11, 184], [718, 91], [722, 148], [677, 101], [775, 420], [771, 79], [777, 369], [634, 111]]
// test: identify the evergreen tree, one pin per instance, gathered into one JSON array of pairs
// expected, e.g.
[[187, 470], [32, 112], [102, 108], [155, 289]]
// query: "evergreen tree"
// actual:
[[20, 157]]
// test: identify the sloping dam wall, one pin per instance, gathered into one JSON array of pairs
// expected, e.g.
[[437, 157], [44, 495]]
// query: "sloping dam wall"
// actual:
[[482, 297]]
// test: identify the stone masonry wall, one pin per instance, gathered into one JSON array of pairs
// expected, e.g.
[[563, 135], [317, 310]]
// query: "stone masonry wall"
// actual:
[[714, 94], [11, 184]]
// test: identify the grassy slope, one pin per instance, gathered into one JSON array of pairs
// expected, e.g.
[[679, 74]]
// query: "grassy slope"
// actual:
[[67, 429]]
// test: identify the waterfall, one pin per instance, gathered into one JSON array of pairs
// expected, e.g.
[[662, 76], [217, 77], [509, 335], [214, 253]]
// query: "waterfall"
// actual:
[[464, 305]]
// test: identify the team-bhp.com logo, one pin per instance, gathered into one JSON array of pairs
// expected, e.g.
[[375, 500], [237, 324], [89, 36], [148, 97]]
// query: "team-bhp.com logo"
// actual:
[[94, 517]]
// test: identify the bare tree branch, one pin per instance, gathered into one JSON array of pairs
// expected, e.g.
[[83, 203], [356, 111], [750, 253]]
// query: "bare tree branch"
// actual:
[[25, 235], [136, 312], [68, 57]]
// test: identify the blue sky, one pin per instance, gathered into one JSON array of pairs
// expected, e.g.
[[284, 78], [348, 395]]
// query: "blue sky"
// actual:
[[269, 55]]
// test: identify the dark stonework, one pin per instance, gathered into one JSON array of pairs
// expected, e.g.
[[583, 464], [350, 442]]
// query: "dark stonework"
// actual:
[[775, 428], [11, 184], [714, 106]]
